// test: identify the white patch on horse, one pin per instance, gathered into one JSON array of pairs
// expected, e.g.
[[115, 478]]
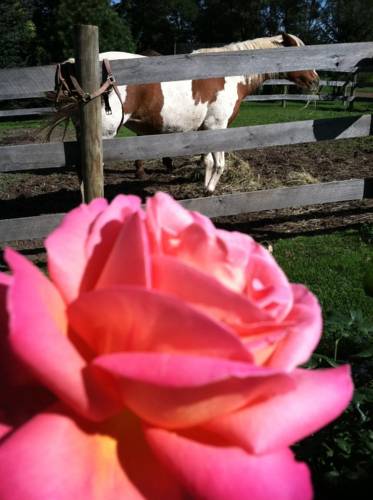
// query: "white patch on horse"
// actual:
[[180, 113], [217, 118], [110, 122]]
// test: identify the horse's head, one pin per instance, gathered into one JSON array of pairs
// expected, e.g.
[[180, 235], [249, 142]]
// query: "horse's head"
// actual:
[[306, 79]]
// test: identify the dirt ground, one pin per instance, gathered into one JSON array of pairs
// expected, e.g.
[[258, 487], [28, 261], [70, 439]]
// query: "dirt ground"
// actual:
[[41, 192]]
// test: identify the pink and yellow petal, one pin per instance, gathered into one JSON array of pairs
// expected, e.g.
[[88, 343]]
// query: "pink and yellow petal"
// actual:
[[126, 318], [178, 391], [267, 284], [210, 470], [103, 234], [303, 334], [53, 457], [39, 338], [165, 217], [318, 397], [205, 292], [129, 259], [66, 247]]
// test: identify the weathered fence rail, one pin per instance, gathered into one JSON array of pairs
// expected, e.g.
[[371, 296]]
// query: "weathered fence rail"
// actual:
[[343, 57], [57, 155], [23, 112], [28, 82], [26, 228]]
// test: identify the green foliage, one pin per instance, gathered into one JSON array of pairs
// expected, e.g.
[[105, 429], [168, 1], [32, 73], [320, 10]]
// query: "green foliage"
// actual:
[[16, 33], [343, 258], [159, 24], [55, 21], [300, 17], [341, 454], [347, 21]]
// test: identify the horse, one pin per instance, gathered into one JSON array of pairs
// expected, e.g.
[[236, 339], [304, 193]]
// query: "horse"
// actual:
[[189, 105]]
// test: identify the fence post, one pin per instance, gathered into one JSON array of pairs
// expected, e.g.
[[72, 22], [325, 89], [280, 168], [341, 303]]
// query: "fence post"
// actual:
[[88, 72], [285, 91]]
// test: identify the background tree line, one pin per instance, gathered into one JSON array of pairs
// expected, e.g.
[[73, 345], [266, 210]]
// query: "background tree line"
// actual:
[[41, 31]]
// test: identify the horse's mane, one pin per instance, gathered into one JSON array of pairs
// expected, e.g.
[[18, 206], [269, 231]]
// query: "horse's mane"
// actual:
[[268, 42]]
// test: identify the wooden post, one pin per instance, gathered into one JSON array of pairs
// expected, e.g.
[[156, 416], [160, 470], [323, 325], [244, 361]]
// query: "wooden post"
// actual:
[[285, 91], [88, 73]]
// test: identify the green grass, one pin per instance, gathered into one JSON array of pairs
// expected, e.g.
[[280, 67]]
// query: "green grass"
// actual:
[[343, 257], [260, 113], [333, 267], [6, 125]]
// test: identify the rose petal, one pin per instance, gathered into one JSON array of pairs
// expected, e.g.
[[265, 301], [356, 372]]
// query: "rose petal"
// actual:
[[165, 215], [12, 371], [103, 234], [178, 391], [210, 470], [267, 284], [193, 239], [38, 337], [304, 333], [5, 281], [52, 457], [129, 259], [136, 319], [66, 247], [195, 287], [319, 397]]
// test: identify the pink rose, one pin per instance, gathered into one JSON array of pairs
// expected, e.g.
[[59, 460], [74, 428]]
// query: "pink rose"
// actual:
[[159, 361]]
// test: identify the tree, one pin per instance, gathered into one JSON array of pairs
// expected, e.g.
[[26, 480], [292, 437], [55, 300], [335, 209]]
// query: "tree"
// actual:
[[158, 24], [55, 21], [347, 21], [299, 17], [16, 33], [226, 21]]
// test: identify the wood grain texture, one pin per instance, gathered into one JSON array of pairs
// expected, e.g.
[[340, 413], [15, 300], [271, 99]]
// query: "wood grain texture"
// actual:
[[19, 113], [90, 137], [217, 206], [271, 199], [39, 156], [337, 57], [342, 57], [28, 228]]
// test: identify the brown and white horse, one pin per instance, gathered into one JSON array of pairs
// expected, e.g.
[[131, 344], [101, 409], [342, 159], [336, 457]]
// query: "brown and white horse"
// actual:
[[188, 105]]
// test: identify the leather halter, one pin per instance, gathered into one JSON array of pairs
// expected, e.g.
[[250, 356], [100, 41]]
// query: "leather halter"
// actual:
[[64, 89]]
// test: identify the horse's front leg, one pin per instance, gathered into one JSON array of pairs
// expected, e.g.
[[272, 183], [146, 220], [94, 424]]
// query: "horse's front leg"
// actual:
[[139, 166], [214, 167]]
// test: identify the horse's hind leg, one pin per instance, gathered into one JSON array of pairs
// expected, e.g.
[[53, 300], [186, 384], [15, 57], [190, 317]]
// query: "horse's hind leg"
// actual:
[[139, 166], [208, 162], [167, 162], [214, 170]]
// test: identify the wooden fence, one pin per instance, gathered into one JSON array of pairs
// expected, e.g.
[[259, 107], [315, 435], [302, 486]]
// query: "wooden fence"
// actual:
[[24, 82]]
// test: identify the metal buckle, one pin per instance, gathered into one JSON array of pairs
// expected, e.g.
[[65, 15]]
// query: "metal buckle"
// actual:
[[86, 97]]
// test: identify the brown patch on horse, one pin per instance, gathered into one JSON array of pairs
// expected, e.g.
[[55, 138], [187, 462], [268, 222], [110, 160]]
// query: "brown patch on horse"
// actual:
[[243, 90], [144, 103], [207, 90]]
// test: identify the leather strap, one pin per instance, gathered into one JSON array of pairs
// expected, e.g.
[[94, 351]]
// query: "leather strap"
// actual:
[[109, 83]]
